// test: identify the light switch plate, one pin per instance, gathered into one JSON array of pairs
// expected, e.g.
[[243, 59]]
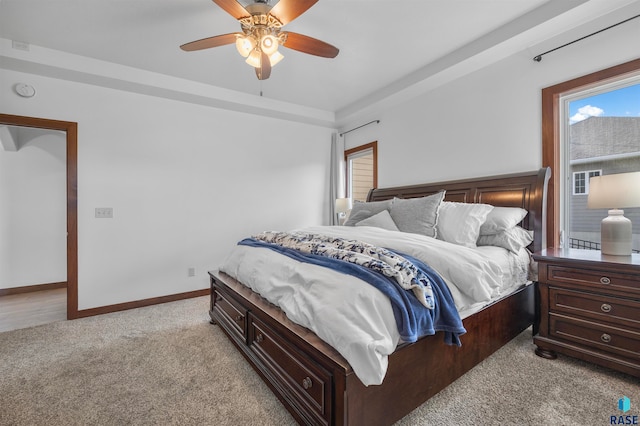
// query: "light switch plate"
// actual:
[[104, 212]]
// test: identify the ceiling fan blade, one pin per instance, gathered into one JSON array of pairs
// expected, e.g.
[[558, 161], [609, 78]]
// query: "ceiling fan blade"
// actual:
[[264, 72], [233, 8], [310, 45], [288, 10], [206, 43]]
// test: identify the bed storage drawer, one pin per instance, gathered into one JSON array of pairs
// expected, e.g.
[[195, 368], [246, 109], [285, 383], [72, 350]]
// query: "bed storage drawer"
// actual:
[[301, 380], [231, 315], [598, 336]]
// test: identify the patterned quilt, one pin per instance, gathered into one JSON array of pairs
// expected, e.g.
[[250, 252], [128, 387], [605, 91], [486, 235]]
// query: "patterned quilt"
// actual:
[[384, 261]]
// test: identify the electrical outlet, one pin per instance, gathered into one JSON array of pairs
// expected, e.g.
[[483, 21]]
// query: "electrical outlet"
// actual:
[[20, 45], [104, 212], [191, 272]]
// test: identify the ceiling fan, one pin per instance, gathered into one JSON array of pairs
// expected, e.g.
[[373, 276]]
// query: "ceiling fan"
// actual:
[[261, 23]]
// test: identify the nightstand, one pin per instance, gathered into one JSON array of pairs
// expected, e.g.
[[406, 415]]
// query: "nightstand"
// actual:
[[589, 307]]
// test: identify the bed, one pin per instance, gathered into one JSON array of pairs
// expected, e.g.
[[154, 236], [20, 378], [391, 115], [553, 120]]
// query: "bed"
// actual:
[[319, 386]]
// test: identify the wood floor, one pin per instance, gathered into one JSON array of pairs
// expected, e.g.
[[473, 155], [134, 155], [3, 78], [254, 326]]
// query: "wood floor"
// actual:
[[35, 308]]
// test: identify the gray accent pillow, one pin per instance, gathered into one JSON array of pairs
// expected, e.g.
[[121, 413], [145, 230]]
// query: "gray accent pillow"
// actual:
[[362, 210], [417, 215], [381, 220]]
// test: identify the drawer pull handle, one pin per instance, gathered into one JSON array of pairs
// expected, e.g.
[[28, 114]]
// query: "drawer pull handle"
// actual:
[[605, 307], [605, 338], [259, 338], [307, 383], [239, 318], [605, 280]]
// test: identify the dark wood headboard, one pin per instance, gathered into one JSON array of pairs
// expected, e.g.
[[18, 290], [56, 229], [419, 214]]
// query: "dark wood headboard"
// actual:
[[527, 190]]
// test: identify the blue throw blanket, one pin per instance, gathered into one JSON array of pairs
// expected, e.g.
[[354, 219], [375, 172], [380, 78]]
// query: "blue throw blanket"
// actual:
[[414, 320]]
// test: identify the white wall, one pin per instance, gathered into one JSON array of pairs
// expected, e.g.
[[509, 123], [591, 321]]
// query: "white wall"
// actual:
[[33, 220], [487, 122], [185, 182]]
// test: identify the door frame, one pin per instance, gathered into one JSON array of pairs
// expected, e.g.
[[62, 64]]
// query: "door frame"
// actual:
[[71, 130]]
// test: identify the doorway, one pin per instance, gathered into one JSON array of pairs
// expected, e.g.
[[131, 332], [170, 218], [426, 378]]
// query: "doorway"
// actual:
[[71, 131]]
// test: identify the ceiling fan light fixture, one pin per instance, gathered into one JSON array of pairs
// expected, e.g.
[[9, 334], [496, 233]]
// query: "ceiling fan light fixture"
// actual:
[[275, 57], [245, 44], [254, 58], [269, 44]]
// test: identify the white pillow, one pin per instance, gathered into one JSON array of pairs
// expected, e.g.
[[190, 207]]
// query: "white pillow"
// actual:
[[513, 239], [417, 215], [381, 220], [459, 223], [502, 218]]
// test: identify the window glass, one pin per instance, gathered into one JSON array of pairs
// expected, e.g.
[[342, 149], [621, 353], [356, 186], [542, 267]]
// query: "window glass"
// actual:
[[579, 186], [362, 171], [601, 137]]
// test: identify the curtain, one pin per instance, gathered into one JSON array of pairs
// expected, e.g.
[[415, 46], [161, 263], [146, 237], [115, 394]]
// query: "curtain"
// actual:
[[336, 177]]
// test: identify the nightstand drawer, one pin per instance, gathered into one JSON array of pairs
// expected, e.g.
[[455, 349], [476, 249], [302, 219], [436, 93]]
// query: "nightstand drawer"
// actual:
[[594, 278], [622, 312], [596, 336]]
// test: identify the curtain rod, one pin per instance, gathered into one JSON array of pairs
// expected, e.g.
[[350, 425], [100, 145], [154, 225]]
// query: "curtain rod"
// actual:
[[538, 58], [356, 128]]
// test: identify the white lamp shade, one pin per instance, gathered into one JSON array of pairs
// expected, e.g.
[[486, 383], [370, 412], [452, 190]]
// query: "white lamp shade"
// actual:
[[255, 58], [275, 58], [269, 44], [343, 205], [245, 45], [614, 191]]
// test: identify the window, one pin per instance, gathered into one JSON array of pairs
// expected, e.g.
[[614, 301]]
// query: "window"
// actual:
[[584, 135], [362, 170], [581, 181], [602, 136]]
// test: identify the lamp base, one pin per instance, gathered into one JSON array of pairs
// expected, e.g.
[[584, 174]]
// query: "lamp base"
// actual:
[[615, 234]]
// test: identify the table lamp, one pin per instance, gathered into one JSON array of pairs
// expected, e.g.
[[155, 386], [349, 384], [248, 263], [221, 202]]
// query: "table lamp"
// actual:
[[343, 205], [615, 192]]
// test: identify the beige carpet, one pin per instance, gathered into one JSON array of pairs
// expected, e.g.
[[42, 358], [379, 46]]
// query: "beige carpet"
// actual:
[[166, 364]]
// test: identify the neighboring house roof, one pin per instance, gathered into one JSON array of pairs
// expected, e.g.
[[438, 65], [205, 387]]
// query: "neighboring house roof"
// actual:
[[603, 136]]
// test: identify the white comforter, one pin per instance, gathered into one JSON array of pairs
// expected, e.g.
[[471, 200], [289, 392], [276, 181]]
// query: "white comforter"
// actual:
[[349, 314]]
